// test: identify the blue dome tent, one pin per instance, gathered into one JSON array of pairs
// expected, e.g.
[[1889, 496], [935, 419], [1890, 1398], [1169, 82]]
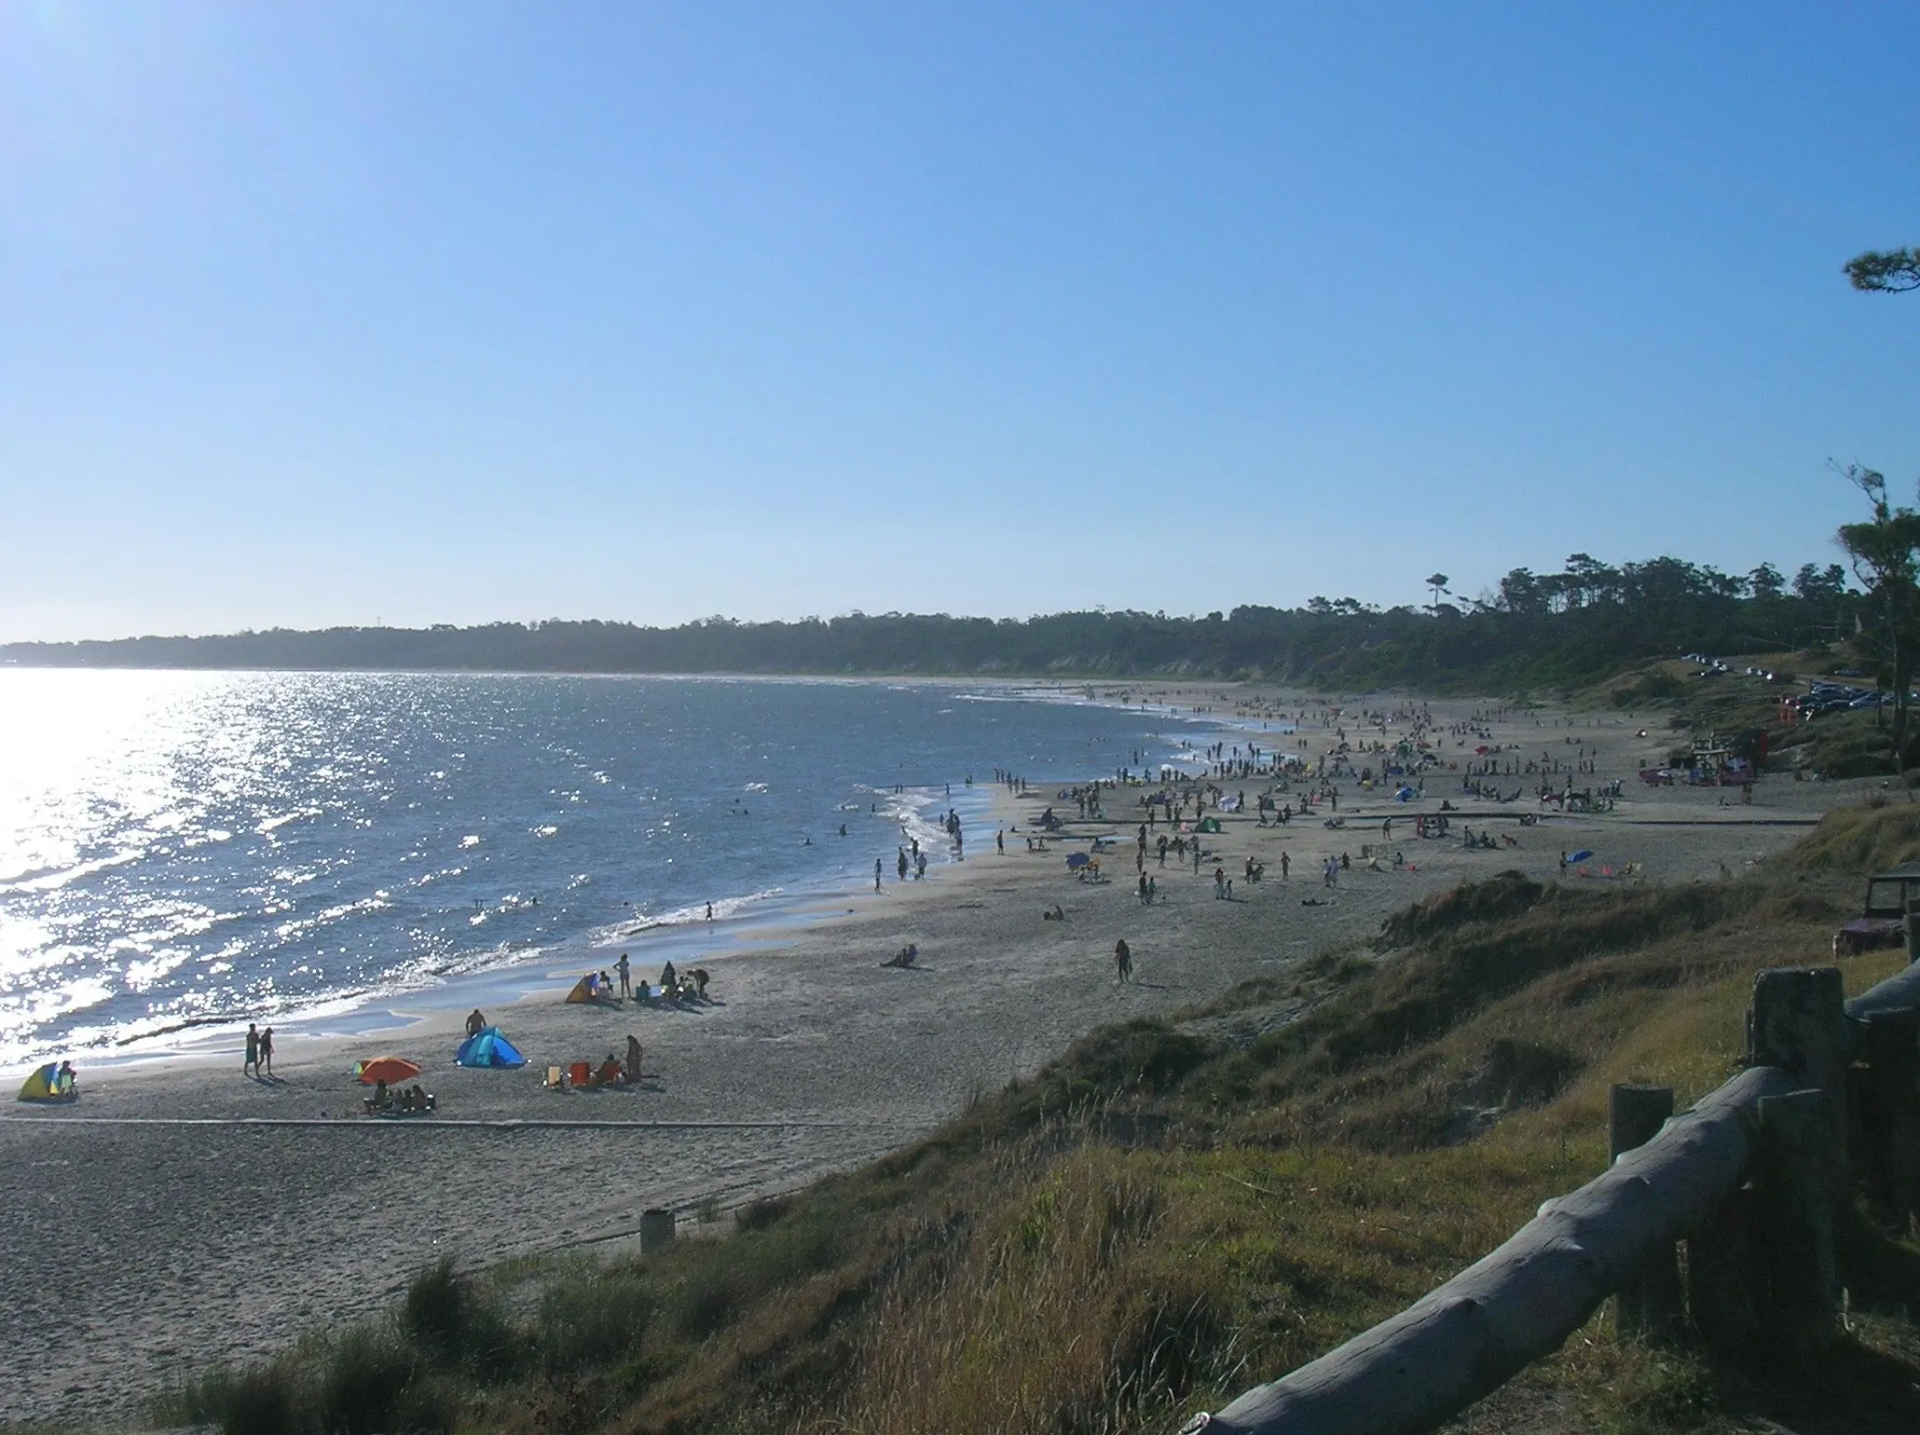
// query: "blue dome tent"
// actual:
[[487, 1047]]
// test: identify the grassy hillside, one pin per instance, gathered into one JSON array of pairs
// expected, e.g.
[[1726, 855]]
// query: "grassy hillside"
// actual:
[[1173, 1210], [1670, 694]]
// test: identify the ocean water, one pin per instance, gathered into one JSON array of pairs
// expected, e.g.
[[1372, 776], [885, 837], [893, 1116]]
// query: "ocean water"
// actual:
[[181, 850]]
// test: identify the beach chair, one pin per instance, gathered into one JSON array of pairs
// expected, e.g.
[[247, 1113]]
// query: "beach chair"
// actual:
[[556, 1079], [580, 1073]]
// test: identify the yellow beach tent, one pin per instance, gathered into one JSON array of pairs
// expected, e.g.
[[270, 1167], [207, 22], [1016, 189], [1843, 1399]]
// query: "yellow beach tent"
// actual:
[[588, 989], [44, 1085]]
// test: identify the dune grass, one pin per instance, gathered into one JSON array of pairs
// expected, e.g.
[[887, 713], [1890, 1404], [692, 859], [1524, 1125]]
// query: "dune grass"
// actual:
[[1171, 1211]]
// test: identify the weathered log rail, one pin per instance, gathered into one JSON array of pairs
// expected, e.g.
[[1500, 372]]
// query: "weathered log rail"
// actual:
[[1752, 1179]]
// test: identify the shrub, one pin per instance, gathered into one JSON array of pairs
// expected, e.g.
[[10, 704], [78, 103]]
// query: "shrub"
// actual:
[[364, 1383], [445, 1314], [435, 1312], [262, 1400], [1146, 1055], [1522, 1073], [591, 1317], [763, 1212], [702, 1303], [1498, 899]]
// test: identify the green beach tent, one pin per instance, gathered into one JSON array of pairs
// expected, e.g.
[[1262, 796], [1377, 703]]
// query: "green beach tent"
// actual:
[[44, 1085]]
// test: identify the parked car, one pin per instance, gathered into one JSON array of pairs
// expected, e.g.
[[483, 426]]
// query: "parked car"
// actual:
[[1883, 923]]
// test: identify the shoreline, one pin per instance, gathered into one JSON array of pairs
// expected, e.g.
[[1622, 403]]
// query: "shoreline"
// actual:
[[752, 921], [536, 977], [812, 1058]]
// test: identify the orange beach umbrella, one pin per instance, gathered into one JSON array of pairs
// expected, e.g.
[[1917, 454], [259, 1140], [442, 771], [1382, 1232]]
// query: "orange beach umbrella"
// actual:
[[390, 1069]]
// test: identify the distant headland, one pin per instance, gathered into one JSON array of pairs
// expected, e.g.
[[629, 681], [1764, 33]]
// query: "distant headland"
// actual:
[[1534, 629]]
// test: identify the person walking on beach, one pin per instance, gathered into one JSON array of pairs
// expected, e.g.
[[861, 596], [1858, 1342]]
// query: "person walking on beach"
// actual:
[[1284, 865], [265, 1062], [250, 1066], [626, 978], [1000, 842], [1122, 961], [876, 874]]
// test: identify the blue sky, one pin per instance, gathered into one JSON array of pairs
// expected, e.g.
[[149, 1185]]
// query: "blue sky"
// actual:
[[454, 312]]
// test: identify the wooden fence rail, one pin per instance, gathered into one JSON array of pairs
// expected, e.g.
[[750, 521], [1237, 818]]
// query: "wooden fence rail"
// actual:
[[1752, 1177]]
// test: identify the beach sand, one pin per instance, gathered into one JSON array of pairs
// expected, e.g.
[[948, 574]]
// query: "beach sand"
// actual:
[[181, 1215]]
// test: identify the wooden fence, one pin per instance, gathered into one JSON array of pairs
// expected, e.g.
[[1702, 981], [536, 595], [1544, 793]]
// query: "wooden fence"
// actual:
[[1753, 1179]]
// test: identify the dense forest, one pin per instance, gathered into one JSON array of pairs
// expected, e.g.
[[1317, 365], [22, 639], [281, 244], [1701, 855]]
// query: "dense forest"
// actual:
[[1538, 628]]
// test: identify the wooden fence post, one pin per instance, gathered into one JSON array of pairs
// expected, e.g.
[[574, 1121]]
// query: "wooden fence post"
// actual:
[[1799, 1023], [1890, 1106], [1648, 1305], [1720, 1276], [1800, 1149]]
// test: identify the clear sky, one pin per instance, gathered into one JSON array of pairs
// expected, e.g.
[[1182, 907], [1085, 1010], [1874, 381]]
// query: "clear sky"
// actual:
[[452, 312]]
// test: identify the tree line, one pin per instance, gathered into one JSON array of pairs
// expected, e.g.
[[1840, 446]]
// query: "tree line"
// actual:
[[1534, 629]]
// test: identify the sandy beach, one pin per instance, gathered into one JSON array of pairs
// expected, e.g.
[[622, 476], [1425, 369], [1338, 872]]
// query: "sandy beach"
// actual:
[[182, 1215]]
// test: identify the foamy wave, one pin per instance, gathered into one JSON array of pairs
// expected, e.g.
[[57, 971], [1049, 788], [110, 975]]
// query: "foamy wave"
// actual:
[[51, 879], [723, 908]]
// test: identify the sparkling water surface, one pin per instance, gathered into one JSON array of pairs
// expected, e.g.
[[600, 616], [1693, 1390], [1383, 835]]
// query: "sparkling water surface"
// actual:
[[181, 848]]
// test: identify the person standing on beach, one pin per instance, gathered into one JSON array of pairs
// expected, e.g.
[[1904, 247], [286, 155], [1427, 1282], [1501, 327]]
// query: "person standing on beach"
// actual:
[[876, 874], [265, 1062], [251, 1065], [1122, 961], [626, 978]]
